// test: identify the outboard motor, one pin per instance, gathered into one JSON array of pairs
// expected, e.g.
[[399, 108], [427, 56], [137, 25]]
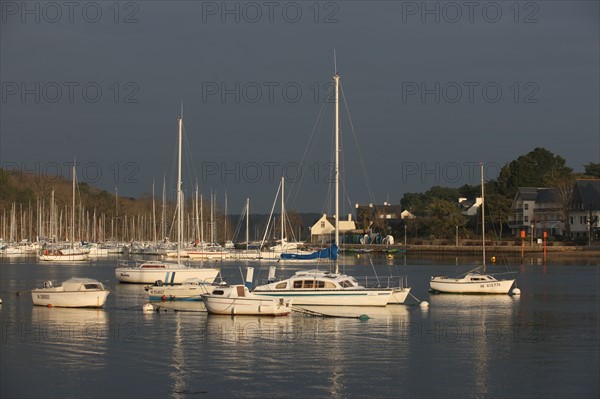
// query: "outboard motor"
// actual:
[[48, 284], [158, 283]]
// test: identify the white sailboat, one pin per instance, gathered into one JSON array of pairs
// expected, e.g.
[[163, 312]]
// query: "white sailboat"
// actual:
[[169, 272], [71, 254], [314, 287], [473, 282]]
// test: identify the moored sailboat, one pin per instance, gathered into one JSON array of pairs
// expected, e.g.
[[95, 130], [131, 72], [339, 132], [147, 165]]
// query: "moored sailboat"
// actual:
[[473, 282]]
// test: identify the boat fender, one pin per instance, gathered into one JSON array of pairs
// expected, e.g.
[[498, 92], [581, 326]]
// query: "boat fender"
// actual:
[[49, 305], [163, 298]]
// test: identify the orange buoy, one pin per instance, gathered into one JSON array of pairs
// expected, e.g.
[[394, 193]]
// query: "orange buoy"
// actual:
[[49, 305], [163, 298]]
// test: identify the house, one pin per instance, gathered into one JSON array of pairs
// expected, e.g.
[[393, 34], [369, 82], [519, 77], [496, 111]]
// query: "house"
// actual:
[[535, 210], [585, 208], [469, 207], [323, 230]]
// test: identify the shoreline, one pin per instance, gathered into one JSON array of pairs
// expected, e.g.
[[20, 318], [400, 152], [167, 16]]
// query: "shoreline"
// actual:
[[492, 250]]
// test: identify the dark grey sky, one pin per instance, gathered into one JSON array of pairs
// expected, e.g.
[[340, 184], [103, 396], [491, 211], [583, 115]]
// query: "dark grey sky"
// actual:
[[432, 88]]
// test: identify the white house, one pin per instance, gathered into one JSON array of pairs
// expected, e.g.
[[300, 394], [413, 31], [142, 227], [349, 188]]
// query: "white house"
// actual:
[[323, 230]]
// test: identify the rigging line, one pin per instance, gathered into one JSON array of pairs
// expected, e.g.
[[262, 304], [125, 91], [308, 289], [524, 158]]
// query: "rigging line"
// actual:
[[360, 156], [318, 121]]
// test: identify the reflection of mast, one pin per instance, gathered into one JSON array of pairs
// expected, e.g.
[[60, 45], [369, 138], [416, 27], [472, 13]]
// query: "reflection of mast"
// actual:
[[178, 364]]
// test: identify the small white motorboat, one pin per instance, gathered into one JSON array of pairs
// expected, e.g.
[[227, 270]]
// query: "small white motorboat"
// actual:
[[191, 289], [238, 300], [73, 293]]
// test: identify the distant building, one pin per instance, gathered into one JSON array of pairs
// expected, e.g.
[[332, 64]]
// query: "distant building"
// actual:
[[585, 204], [469, 207], [323, 231], [535, 210]]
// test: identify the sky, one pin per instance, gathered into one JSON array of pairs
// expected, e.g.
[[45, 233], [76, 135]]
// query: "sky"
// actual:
[[430, 89]]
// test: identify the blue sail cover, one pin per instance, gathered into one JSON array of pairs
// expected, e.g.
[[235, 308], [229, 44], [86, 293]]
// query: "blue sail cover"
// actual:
[[330, 253]]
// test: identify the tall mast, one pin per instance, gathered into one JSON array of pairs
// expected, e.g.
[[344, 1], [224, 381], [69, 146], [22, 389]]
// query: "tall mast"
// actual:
[[201, 223], [163, 223], [482, 217], [179, 188], [247, 222], [73, 210], [153, 213], [282, 210], [336, 78]]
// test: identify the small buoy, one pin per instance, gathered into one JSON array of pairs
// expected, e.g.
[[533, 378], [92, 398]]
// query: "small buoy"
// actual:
[[363, 317], [390, 256], [163, 298], [49, 305], [516, 291], [424, 304], [493, 259], [0, 301], [148, 307]]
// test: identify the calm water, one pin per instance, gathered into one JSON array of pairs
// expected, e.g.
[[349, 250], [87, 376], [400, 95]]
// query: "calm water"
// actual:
[[542, 344]]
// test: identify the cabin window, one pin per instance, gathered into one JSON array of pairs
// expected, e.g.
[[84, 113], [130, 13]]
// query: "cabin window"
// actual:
[[91, 286], [319, 284], [346, 284], [329, 284], [308, 284], [218, 292], [298, 284], [281, 286]]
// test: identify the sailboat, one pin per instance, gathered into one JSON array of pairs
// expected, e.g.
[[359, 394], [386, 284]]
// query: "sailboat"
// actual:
[[71, 254], [167, 272], [314, 287], [473, 282]]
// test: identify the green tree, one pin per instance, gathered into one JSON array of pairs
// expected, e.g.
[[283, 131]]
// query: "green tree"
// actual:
[[592, 170], [537, 168], [444, 216]]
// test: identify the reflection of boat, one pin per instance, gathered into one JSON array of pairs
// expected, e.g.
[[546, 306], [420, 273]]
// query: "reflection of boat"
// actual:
[[238, 300], [73, 293], [191, 289], [473, 283], [378, 312]]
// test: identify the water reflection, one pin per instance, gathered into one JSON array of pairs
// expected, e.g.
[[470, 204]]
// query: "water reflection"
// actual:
[[77, 338]]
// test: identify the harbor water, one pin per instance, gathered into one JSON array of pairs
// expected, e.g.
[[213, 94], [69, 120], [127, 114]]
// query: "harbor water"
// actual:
[[543, 343]]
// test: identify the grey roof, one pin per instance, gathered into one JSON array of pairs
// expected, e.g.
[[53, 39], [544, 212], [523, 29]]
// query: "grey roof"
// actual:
[[528, 193], [547, 195], [587, 191]]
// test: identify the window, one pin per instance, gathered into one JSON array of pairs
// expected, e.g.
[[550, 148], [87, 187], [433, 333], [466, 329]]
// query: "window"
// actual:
[[346, 284], [218, 292], [281, 286], [329, 284], [308, 284], [526, 206], [322, 225], [319, 284], [526, 218], [298, 284], [570, 219]]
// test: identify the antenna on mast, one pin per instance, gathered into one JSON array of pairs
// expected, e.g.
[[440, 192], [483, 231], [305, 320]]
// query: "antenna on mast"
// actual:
[[334, 63]]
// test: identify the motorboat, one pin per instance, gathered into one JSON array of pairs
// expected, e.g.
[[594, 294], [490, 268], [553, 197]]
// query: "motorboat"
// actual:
[[190, 289], [238, 300], [73, 293], [316, 287]]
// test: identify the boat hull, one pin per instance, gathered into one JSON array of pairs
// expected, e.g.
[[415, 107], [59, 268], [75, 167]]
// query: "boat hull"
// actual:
[[398, 296], [458, 286], [75, 299], [179, 293], [254, 306], [64, 258], [357, 297], [176, 276]]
